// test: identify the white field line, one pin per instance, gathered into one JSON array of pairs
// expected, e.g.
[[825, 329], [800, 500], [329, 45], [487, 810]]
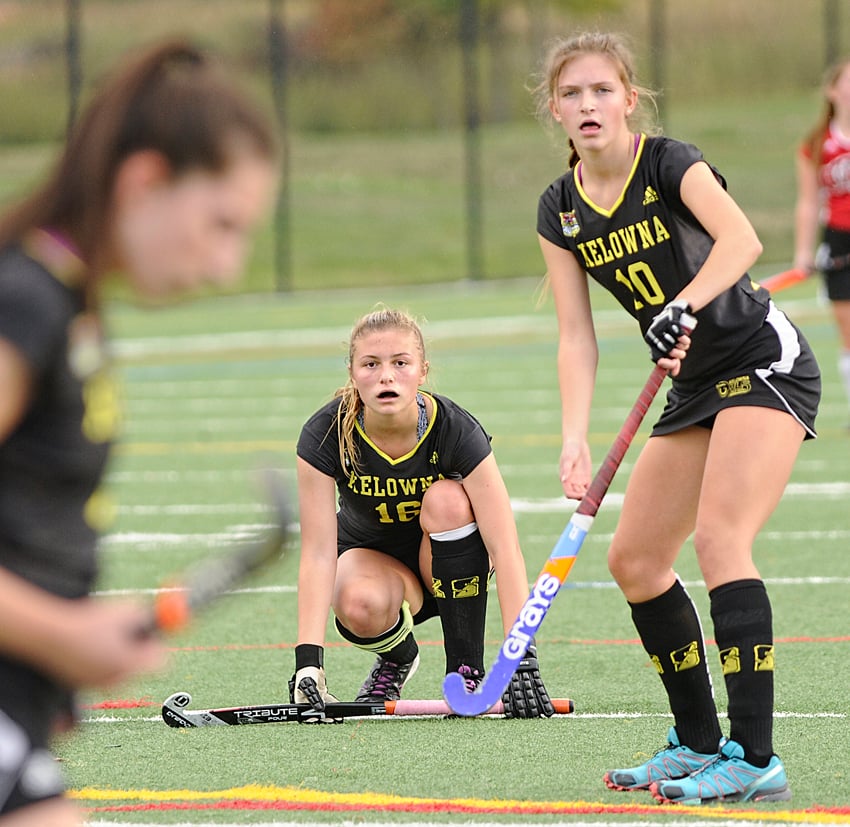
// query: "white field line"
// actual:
[[180, 509], [150, 541], [553, 505], [184, 476], [335, 336], [533, 324], [607, 716], [151, 592], [573, 584]]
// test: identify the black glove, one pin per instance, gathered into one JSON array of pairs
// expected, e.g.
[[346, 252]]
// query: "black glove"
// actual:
[[526, 697], [672, 322], [308, 684]]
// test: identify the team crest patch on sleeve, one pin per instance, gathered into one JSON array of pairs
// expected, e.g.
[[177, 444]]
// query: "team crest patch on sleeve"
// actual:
[[569, 224]]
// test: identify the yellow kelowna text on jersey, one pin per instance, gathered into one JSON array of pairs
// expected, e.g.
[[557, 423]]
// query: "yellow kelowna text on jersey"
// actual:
[[623, 241], [373, 486]]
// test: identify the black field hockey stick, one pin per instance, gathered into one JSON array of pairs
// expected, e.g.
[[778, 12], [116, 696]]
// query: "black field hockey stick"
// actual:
[[176, 714], [555, 570], [204, 583]]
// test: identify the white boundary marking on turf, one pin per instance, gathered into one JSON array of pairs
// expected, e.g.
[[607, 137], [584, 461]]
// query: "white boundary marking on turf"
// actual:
[[133, 539], [555, 505], [535, 323], [578, 584], [830, 490], [609, 716], [333, 336], [181, 509], [151, 592]]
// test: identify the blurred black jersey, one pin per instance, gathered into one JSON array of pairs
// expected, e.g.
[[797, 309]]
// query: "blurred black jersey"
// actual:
[[51, 464]]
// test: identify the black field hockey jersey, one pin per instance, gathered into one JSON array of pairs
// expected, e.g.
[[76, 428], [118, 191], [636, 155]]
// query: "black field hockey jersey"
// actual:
[[379, 503], [648, 246], [51, 464]]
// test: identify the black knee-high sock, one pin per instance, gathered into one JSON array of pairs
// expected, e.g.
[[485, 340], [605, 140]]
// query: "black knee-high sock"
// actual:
[[743, 628], [460, 570], [670, 630]]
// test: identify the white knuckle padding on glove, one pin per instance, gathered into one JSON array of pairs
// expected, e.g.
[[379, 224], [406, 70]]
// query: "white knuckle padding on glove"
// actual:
[[310, 687], [663, 333]]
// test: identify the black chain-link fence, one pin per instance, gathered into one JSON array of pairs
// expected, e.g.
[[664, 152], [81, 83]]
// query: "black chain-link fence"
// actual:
[[342, 75]]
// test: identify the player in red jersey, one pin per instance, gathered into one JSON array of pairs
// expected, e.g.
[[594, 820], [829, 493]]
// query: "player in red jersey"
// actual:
[[823, 205]]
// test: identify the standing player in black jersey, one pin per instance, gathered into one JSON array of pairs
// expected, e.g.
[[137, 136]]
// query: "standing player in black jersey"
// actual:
[[423, 514], [161, 180], [651, 221]]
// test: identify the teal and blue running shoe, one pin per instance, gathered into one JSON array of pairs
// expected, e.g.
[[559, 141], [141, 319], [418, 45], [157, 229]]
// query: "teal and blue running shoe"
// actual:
[[671, 762], [728, 778]]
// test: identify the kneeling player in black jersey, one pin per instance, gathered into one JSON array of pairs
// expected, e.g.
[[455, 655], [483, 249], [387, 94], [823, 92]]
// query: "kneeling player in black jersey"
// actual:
[[423, 516]]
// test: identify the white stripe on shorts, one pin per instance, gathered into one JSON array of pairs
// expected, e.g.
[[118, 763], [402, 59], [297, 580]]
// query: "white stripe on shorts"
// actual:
[[789, 352]]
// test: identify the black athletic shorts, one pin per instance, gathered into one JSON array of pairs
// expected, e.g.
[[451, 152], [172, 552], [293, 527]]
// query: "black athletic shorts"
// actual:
[[780, 372], [409, 556], [836, 249], [31, 707]]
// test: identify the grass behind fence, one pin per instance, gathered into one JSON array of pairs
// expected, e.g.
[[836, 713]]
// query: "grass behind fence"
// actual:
[[383, 210]]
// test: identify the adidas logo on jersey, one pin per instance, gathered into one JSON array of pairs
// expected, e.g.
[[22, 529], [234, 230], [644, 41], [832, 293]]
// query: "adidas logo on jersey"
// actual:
[[650, 196]]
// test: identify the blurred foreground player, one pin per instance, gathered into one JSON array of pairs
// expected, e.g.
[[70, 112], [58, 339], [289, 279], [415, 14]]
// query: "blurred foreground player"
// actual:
[[161, 181]]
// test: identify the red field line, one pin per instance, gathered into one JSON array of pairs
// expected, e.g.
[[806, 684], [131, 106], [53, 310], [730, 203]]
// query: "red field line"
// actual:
[[230, 647], [818, 815]]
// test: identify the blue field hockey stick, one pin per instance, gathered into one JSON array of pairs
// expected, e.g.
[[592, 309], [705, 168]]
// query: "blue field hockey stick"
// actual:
[[554, 572]]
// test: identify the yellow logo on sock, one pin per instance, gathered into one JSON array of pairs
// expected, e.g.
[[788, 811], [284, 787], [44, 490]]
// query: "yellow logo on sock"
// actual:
[[764, 661], [656, 662], [685, 658], [438, 587], [730, 660], [465, 587]]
